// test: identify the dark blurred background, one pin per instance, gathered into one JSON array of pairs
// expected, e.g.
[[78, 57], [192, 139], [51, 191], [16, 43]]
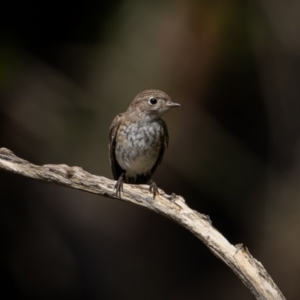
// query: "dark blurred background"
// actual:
[[68, 67]]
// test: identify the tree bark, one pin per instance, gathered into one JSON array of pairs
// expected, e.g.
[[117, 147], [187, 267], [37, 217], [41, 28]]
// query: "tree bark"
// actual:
[[237, 257]]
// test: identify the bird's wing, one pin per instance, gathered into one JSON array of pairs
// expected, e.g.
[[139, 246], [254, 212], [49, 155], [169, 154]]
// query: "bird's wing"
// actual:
[[115, 167], [164, 146]]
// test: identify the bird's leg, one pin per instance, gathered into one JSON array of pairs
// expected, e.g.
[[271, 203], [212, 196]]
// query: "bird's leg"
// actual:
[[119, 186], [153, 188]]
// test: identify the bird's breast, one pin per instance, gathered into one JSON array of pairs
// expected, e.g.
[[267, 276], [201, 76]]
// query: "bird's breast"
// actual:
[[137, 146]]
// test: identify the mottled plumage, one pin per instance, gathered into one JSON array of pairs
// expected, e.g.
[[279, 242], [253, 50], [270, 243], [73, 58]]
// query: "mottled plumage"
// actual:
[[138, 139]]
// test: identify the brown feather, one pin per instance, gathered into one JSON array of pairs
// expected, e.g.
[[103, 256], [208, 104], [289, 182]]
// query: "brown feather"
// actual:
[[139, 109], [113, 131]]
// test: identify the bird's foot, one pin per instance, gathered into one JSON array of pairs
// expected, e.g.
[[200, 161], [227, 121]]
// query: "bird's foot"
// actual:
[[119, 186], [153, 188]]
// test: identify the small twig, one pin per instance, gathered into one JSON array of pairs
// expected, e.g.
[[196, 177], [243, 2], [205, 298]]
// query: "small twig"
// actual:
[[238, 258]]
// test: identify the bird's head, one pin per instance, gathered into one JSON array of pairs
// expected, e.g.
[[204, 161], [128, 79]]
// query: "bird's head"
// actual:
[[152, 103]]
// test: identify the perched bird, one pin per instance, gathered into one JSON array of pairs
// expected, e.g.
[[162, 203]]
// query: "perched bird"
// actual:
[[138, 139]]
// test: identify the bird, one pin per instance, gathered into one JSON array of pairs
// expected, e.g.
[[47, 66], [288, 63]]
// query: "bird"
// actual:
[[138, 139]]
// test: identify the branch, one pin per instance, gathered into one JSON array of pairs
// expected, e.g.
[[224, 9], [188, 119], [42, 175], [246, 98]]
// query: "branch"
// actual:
[[238, 258]]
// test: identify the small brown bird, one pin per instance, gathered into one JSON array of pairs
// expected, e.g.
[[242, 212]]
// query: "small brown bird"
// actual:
[[138, 139]]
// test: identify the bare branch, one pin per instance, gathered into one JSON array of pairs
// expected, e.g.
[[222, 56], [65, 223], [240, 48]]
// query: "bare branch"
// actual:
[[238, 258]]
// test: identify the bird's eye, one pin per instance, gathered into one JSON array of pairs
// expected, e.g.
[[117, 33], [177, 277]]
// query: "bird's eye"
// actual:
[[152, 101]]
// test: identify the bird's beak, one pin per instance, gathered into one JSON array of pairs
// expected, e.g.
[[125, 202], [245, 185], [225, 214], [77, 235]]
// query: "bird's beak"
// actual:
[[172, 104]]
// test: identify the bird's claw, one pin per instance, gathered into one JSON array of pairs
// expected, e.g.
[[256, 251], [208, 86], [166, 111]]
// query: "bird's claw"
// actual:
[[153, 188], [119, 187]]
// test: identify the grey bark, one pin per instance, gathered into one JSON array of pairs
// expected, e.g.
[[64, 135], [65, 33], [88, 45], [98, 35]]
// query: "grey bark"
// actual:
[[238, 257]]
